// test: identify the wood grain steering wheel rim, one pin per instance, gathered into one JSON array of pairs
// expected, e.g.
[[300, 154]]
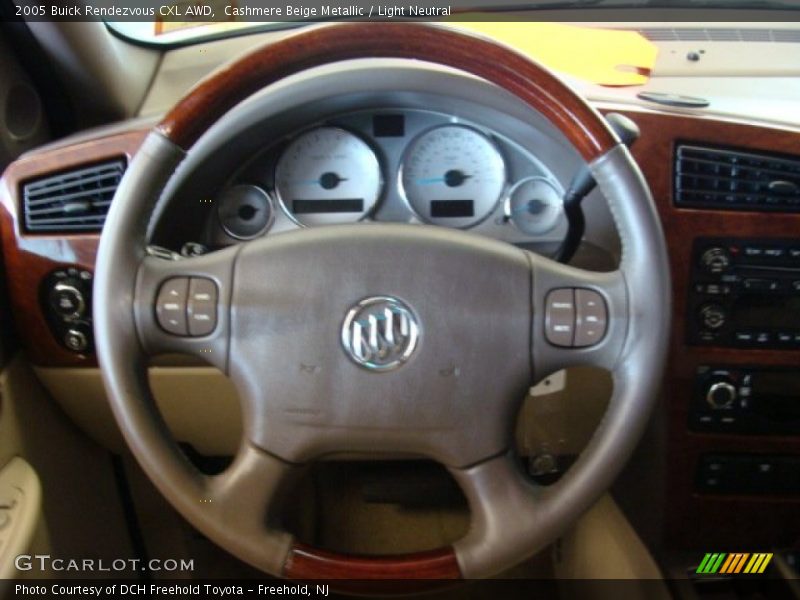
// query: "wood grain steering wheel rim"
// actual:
[[532, 83], [212, 98]]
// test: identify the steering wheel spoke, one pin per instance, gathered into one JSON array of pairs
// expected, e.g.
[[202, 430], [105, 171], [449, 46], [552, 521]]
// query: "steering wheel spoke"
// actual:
[[182, 305], [505, 511], [240, 500]]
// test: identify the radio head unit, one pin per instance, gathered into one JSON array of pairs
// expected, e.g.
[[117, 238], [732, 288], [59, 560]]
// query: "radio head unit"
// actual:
[[745, 293]]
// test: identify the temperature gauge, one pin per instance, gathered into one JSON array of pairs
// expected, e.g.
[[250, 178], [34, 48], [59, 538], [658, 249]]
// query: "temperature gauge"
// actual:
[[535, 206]]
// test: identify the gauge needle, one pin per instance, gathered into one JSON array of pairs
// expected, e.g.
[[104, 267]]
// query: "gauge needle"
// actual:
[[326, 180], [429, 180], [452, 178], [532, 207]]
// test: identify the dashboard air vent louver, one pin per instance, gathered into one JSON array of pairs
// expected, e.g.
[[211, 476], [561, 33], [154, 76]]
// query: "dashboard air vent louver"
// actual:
[[72, 201], [720, 34], [730, 179]]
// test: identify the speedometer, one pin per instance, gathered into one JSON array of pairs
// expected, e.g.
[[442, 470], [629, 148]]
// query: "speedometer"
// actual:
[[453, 175], [328, 176]]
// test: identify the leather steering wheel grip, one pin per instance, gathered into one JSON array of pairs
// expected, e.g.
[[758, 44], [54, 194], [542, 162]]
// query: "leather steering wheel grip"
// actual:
[[496, 491]]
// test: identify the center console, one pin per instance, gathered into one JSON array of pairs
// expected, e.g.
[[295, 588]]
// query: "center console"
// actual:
[[743, 299]]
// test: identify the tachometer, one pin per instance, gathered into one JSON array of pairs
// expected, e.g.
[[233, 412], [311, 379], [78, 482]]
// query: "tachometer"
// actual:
[[453, 176], [328, 176]]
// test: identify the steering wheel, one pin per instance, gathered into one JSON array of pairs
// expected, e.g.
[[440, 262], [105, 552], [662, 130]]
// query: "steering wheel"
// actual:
[[381, 338]]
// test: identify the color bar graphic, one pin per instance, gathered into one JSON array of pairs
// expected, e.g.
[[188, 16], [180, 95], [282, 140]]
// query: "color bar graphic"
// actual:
[[734, 563], [711, 562]]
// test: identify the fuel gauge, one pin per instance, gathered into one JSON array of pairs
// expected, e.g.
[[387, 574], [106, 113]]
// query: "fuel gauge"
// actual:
[[535, 206]]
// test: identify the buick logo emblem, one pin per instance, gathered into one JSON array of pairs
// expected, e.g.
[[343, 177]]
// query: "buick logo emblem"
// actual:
[[380, 333]]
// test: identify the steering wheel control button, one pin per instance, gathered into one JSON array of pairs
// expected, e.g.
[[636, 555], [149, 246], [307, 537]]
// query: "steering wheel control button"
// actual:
[[202, 306], [380, 333], [559, 319], [171, 305], [591, 318], [575, 318]]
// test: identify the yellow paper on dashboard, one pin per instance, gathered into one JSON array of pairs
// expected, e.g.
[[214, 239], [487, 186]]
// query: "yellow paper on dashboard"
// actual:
[[603, 56]]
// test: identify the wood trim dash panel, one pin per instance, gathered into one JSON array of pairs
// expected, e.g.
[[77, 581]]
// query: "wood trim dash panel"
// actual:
[[31, 257], [698, 521]]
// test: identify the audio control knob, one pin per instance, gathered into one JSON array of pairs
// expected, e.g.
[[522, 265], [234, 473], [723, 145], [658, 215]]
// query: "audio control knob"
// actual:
[[721, 394], [67, 299], [715, 260], [713, 316]]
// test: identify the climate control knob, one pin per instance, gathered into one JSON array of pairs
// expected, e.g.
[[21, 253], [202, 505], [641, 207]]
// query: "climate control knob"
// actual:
[[715, 260], [713, 316], [721, 394]]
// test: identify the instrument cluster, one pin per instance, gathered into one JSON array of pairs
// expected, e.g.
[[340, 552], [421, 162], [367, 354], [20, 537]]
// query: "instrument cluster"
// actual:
[[405, 165]]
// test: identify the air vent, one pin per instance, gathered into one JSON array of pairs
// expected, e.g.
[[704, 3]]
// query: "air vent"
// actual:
[[720, 34], [75, 200], [730, 179]]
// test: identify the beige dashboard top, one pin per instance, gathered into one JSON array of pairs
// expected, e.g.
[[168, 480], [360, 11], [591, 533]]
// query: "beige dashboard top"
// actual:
[[739, 82]]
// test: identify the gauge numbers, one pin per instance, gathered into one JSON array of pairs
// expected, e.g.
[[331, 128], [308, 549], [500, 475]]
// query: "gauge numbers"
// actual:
[[534, 206], [452, 175], [328, 176]]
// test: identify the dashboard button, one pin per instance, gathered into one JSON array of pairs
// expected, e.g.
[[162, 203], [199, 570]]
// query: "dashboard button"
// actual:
[[760, 285], [68, 300], [591, 318], [713, 316], [76, 340], [753, 251], [715, 260], [171, 305], [560, 317], [763, 337], [202, 306]]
